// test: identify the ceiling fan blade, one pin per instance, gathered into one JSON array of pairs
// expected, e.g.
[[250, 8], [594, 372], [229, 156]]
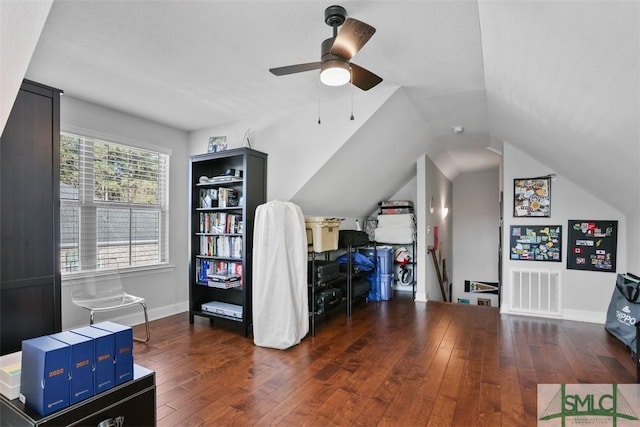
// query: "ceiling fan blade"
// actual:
[[352, 36], [363, 78], [298, 68]]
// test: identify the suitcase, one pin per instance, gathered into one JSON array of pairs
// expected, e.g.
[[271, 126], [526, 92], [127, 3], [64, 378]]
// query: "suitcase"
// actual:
[[352, 238], [326, 271], [359, 287], [327, 299]]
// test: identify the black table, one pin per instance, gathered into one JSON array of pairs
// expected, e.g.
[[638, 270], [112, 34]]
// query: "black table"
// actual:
[[132, 403]]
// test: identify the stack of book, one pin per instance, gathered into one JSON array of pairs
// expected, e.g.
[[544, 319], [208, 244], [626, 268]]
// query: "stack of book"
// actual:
[[224, 281]]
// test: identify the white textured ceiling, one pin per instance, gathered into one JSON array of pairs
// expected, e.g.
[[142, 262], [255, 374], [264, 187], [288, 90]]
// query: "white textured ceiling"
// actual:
[[559, 79]]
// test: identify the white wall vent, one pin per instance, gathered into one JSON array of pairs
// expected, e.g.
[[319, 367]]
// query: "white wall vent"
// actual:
[[536, 292]]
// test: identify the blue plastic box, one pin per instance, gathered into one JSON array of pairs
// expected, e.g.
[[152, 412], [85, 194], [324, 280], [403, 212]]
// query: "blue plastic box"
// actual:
[[384, 264], [123, 349], [81, 364], [103, 357], [386, 287], [44, 380]]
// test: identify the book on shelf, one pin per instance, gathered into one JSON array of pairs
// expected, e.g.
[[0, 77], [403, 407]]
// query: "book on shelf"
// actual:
[[220, 223], [209, 272], [224, 179], [221, 246], [228, 197], [208, 198], [223, 277], [223, 280]]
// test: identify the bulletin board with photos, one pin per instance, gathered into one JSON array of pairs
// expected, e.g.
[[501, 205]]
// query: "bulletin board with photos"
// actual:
[[532, 197], [592, 245]]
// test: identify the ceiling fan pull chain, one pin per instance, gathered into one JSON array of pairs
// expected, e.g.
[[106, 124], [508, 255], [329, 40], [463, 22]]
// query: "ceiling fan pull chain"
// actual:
[[319, 121], [351, 73]]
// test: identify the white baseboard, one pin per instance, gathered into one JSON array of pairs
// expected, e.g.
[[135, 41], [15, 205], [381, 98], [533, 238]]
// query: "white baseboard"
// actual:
[[421, 297], [584, 316], [137, 317], [567, 314]]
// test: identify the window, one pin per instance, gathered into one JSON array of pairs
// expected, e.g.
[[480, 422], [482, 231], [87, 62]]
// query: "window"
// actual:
[[113, 205]]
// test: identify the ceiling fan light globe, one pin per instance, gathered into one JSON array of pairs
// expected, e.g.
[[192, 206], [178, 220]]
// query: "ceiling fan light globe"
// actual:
[[335, 73]]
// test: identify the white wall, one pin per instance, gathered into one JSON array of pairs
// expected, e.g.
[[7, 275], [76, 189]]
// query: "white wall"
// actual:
[[165, 289], [633, 243], [475, 232], [409, 191], [296, 144], [431, 182], [585, 294], [21, 23]]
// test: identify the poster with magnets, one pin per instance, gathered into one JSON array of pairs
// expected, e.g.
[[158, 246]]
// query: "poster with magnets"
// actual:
[[536, 243], [592, 245]]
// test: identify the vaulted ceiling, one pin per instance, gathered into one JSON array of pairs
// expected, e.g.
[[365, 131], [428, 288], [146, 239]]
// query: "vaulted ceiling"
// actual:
[[558, 79]]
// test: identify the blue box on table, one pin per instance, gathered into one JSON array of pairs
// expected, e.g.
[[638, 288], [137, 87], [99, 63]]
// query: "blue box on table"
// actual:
[[123, 349], [81, 364], [103, 357], [44, 379]]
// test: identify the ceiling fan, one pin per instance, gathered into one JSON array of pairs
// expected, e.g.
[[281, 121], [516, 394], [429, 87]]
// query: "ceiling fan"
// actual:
[[335, 63]]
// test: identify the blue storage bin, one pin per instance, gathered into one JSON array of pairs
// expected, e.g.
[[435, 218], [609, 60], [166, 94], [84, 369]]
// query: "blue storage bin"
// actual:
[[374, 286], [386, 287], [384, 264]]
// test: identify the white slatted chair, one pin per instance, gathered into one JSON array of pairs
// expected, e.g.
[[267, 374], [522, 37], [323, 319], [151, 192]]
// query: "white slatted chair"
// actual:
[[104, 292]]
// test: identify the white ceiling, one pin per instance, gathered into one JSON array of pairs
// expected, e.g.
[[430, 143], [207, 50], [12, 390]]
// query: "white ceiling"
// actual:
[[558, 79]]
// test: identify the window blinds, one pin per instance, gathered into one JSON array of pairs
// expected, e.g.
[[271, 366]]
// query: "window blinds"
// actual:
[[113, 204]]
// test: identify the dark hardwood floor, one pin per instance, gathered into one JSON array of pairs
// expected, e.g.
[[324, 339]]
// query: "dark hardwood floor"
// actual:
[[393, 363]]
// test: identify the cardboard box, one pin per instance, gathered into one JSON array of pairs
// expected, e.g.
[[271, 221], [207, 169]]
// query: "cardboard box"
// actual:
[[123, 349], [44, 379], [81, 364], [104, 374]]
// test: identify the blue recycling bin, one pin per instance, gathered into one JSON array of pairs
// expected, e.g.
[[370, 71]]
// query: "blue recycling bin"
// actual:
[[381, 278]]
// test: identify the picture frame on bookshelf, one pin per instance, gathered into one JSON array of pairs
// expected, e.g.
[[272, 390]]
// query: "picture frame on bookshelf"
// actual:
[[217, 144]]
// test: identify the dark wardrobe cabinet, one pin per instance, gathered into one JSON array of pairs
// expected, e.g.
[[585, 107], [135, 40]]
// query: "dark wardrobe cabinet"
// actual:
[[30, 217]]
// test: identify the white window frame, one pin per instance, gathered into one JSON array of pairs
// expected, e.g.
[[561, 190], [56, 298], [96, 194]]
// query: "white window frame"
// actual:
[[86, 203]]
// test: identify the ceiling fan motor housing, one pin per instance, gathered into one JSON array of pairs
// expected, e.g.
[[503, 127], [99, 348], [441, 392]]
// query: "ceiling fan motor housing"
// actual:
[[326, 56], [335, 15]]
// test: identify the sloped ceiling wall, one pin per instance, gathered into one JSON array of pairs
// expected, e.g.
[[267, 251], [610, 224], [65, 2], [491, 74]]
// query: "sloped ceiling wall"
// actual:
[[559, 79], [563, 85], [376, 161], [20, 27]]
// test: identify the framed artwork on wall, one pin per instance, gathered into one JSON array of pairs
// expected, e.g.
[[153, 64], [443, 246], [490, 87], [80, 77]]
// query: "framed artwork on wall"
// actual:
[[532, 197], [536, 243], [592, 245]]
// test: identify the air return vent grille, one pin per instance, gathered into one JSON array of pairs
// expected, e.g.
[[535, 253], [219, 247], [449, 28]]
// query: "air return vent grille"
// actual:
[[536, 292]]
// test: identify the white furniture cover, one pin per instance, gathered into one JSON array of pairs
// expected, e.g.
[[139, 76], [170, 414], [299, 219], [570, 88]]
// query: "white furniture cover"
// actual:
[[280, 295]]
